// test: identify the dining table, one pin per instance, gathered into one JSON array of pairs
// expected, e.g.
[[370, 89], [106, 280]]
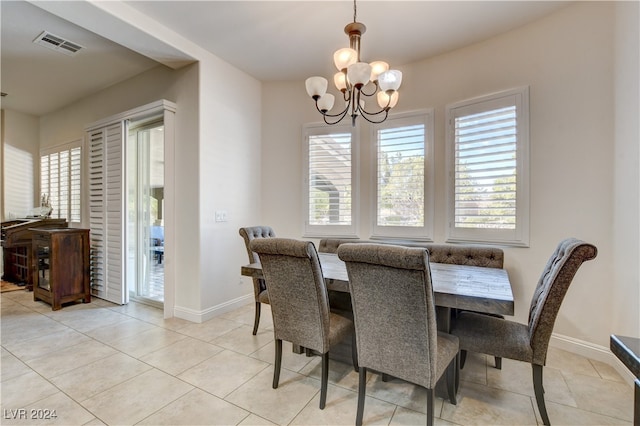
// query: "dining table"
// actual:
[[460, 287]]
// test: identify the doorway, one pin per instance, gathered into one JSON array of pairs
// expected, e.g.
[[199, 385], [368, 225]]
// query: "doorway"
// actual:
[[145, 173]]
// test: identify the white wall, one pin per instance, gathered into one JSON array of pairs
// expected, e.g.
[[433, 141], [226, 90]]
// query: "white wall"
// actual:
[[21, 164], [626, 189], [567, 60]]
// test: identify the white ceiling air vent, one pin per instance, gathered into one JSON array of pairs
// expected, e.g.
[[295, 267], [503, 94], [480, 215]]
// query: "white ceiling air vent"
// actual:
[[54, 42]]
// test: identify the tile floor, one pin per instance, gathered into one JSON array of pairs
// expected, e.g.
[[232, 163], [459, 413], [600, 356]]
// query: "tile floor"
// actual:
[[101, 363]]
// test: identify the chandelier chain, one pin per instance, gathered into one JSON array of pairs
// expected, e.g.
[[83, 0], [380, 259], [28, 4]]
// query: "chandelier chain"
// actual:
[[355, 11]]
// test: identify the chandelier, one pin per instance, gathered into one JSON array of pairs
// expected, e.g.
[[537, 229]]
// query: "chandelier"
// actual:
[[357, 81]]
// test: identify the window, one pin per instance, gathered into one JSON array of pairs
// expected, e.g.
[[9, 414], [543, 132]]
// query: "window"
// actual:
[[330, 182], [61, 179], [488, 148], [404, 177]]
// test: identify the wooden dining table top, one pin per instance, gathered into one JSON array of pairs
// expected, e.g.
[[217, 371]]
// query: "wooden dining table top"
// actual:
[[472, 288]]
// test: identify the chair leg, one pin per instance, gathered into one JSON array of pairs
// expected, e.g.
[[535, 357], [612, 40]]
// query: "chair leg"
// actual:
[[256, 320], [457, 360], [498, 362], [430, 413], [451, 381], [276, 371], [325, 380], [354, 352], [539, 391], [362, 384], [463, 358]]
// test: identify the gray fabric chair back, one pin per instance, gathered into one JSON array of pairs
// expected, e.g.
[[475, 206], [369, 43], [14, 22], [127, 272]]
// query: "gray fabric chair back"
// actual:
[[297, 291], [250, 233], [551, 289], [394, 311]]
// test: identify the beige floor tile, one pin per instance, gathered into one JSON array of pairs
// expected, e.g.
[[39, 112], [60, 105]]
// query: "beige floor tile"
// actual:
[[246, 315], [94, 422], [609, 398], [401, 393], [606, 371], [139, 311], [290, 360], [517, 376], [253, 420], [569, 416], [340, 373], [180, 356], [569, 362], [404, 416], [209, 330], [223, 372], [481, 405], [148, 341], [475, 368], [39, 346], [57, 409], [26, 327], [11, 367], [59, 362], [104, 374], [197, 408], [279, 405], [242, 341], [173, 323], [136, 399], [121, 330], [21, 391], [89, 319], [341, 409]]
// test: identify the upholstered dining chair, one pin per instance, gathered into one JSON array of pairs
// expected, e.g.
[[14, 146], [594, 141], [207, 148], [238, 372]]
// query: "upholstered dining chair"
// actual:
[[300, 302], [527, 342], [259, 289], [395, 319]]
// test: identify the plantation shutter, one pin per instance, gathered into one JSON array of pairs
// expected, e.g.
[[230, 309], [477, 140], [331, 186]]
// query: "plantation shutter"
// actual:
[[329, 181], [106, 186], [400, 186], [61, 180], [485, 169], [488, 169]]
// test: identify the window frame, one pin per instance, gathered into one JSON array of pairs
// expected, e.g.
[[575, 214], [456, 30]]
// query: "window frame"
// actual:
[[320, 231], [518, 97], [58, 149], [424, 232]]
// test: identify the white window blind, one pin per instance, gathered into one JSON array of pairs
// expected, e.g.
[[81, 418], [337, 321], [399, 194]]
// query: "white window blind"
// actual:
[[485, 170], [403, 180], [61, 180], [329, 181], [489, 180]]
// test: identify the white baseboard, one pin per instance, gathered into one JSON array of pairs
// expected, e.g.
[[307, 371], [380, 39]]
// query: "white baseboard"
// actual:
[[205, 315], [592, 351]]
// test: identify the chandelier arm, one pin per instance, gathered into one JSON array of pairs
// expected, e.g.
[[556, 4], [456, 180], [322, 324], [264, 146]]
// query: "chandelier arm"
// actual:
[[340, 114], [375, 90], [364, 115]]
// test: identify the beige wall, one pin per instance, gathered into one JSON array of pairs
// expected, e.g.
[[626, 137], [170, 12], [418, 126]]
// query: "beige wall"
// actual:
[[567, 60]]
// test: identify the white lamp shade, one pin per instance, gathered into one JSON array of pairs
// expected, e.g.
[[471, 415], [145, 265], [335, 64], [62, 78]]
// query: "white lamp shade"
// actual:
[[359, 73], [377, 68], [325, 103], [383, 99], [316, 86], [345, 57], [390, 80], [340, 80]]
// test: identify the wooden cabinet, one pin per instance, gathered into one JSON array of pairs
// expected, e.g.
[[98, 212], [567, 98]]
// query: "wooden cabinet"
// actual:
[[60, 262]]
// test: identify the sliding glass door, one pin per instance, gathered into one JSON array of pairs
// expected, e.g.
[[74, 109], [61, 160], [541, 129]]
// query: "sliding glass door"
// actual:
[[145, 205]]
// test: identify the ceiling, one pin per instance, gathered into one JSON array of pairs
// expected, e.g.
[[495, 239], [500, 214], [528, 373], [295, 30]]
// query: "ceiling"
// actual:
[[270, 40]]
